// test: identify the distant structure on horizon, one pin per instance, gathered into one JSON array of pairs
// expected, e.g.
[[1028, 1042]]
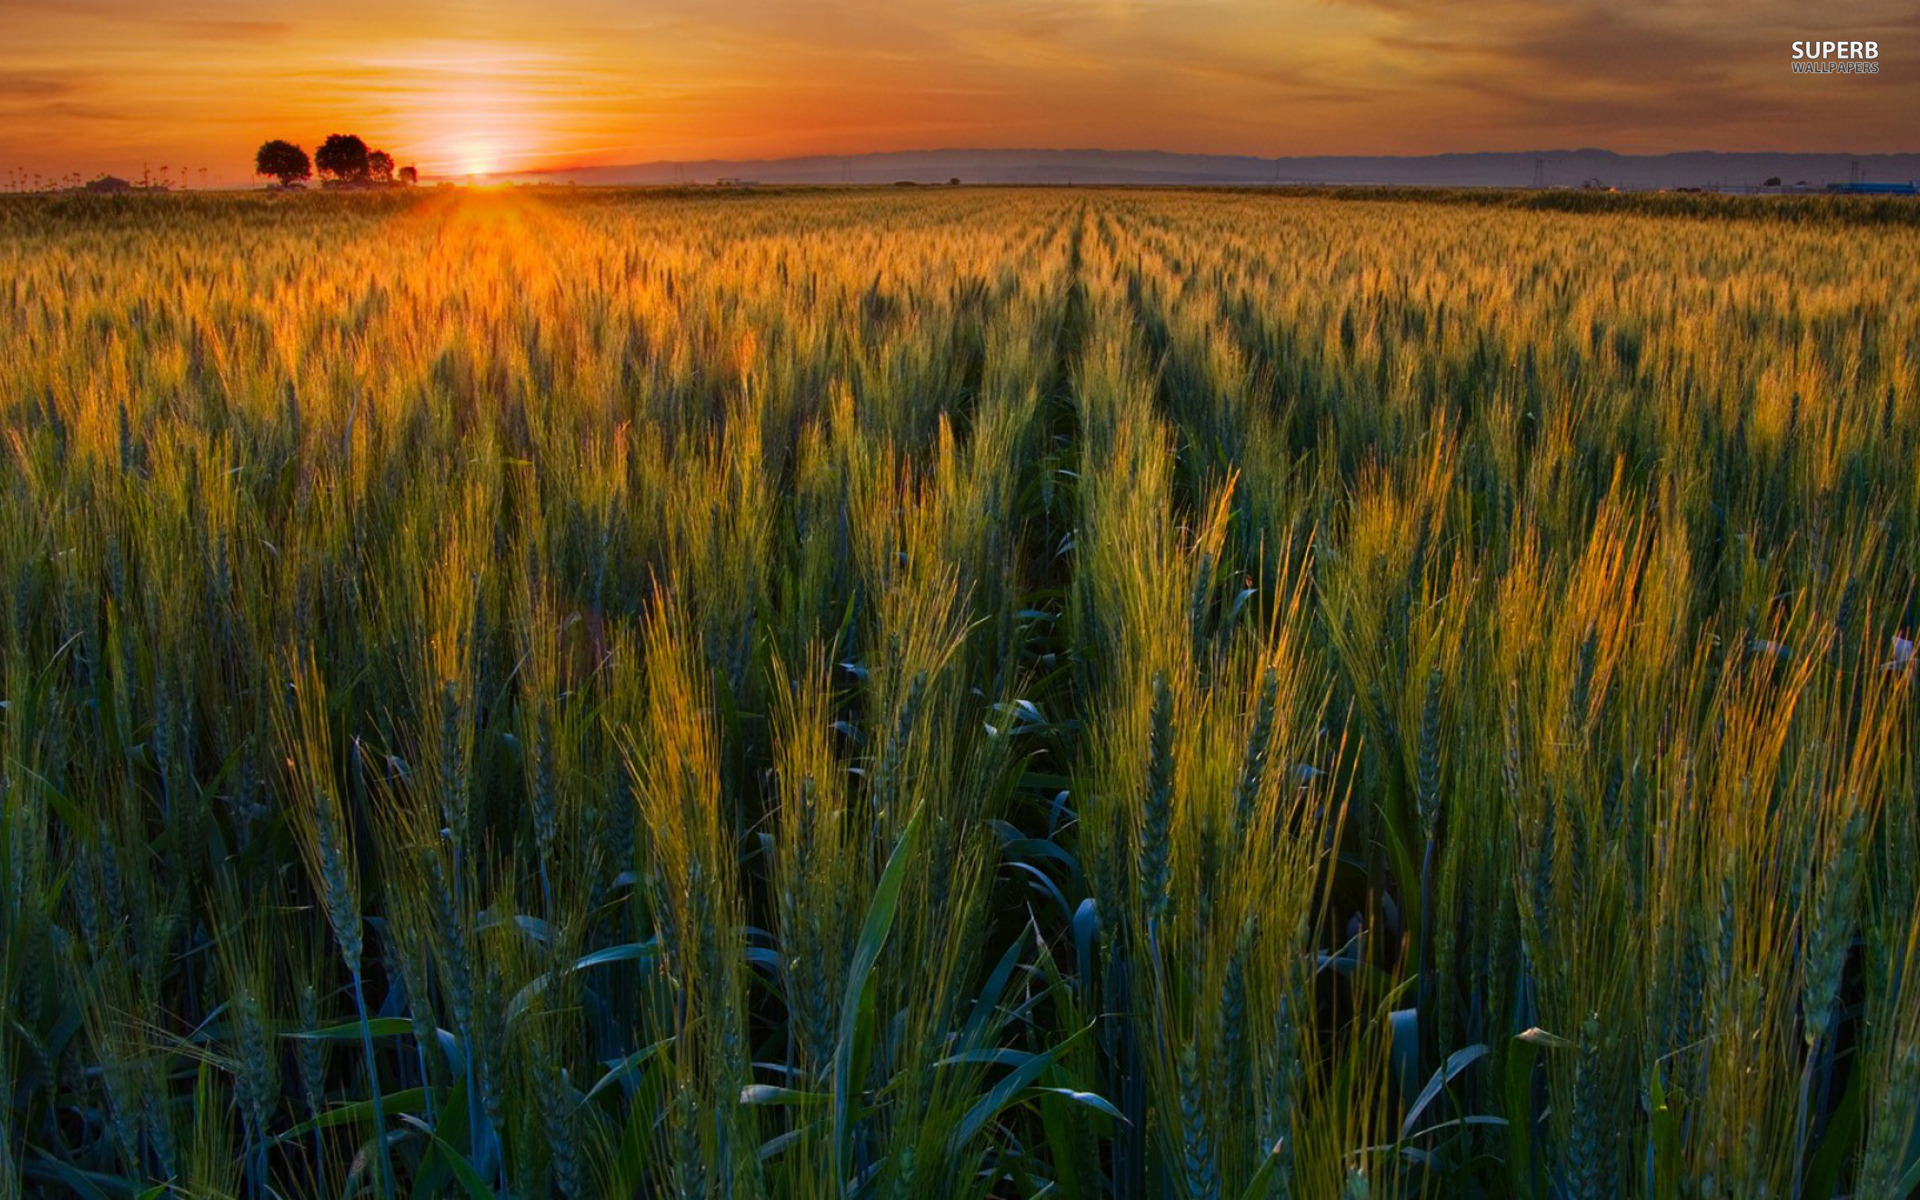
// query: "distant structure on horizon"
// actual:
[[1861, 187], [113, 185]]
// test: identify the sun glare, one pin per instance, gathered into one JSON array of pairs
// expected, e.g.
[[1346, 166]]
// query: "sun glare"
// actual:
[[472, 109], [472, 157]]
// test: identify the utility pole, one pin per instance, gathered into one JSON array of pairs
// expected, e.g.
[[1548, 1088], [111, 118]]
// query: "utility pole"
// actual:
[[1539, 173]]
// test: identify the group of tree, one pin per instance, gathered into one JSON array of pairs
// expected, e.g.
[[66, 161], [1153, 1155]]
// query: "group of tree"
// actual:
[[343, 157]]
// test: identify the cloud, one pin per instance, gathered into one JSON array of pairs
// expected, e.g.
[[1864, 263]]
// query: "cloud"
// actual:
[[1601, 45], [1682, 75], [231, 31], [34, 87], [70, 110], [65, 8]]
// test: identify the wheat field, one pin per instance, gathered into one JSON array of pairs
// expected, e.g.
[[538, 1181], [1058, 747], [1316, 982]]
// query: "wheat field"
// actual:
[[959, 692]]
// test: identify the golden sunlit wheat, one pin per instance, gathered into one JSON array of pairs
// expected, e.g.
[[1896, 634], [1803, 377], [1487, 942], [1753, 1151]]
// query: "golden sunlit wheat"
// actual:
[[958, 692]]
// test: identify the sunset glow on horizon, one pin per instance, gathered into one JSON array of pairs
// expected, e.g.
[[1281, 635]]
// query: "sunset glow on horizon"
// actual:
[[482, 88]]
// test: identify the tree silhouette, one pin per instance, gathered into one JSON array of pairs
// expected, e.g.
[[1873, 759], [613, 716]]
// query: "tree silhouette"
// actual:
[[380, 166], [342, 156], [408, 175], [282, 160]]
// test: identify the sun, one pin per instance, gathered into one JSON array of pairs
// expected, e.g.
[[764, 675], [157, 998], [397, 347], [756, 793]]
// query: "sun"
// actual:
[[476, 159], [475, 154], [470, 109]]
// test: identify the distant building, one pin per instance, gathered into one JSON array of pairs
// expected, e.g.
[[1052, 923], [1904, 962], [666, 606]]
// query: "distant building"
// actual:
[[109, 184], [1910, 188]]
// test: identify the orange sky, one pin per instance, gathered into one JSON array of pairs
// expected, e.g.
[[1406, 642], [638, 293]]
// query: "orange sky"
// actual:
[[483, 85]]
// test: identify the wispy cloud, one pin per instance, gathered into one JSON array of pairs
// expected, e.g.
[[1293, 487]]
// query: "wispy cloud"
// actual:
[[34, 87], [232, 31]]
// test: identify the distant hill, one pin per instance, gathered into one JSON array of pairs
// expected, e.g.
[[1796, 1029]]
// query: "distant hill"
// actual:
[[1553, 168]]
